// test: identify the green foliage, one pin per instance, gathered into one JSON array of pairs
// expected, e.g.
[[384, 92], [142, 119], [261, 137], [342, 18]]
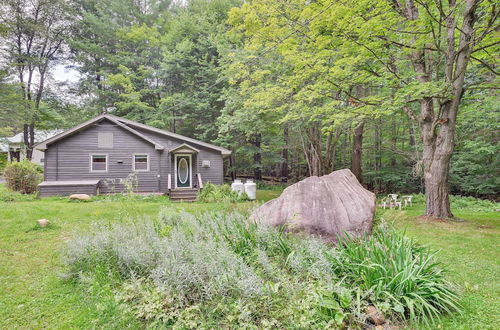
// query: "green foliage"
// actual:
[[23, 176], [7, 195], [130, 197], [3, 161], [181, 269], [473, 204], [400, 276], [212, 193]]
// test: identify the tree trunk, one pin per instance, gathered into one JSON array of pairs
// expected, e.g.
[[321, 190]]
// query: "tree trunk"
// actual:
[[29, 139], [257, 157], [232, 166], [436, 157], [284, 155], [316, 161], [357, 146]]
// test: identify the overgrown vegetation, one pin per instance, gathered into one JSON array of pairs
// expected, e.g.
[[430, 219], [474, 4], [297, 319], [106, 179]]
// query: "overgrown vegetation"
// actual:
[[219, 270], [23, 176], [3, 161], [212, 193]]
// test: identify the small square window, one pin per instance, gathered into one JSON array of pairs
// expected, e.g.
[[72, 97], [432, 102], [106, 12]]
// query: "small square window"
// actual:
[[141, 162], [99, 163]]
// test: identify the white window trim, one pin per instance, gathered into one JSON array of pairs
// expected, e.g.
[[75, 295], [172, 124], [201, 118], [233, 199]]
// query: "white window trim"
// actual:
[[190, 169], [133, 162], [90, 163]]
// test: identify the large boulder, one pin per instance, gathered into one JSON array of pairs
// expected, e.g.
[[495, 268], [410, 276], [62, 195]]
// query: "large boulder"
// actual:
[[328, 206]]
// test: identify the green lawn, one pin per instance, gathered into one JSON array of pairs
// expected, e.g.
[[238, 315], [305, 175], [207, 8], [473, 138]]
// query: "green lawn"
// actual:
[[33, 294]]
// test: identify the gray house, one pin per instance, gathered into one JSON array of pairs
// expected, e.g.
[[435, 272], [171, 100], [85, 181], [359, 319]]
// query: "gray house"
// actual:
[[99, 154]]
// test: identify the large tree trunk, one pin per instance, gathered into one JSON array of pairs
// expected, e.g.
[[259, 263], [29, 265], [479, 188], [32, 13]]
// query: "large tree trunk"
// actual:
[[438, 149], [357, 146]]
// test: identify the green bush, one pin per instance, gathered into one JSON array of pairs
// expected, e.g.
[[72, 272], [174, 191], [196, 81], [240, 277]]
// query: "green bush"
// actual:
[[211, 193], [23, 176], [3, 161], [220, 270]]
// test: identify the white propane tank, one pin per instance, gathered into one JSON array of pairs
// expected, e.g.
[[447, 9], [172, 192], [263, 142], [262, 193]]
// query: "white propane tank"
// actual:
[[238, 186], [251, 189]]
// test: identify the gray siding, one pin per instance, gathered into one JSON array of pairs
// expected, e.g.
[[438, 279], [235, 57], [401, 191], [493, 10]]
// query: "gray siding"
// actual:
[[213, 174], [67, 190], [69, 159]]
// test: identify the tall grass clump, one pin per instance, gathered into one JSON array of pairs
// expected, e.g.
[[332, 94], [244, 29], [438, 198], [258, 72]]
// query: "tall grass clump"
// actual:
[[398, 275], [222, 270], [212, 193]]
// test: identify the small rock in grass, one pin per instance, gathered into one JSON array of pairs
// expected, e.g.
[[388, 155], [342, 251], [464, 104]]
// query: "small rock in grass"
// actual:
[[375, 316], [81, 197], [43, 222]]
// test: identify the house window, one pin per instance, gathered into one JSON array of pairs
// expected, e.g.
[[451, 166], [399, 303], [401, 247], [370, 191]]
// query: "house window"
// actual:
[[98, 163], [141, 162]]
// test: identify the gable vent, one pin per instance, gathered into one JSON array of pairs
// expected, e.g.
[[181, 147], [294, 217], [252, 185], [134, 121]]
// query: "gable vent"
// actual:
[[105, 140]]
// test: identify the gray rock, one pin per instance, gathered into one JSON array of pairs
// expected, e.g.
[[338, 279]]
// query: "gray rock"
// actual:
[[328, 206], [81, 197], [375, 316], [43, 222]]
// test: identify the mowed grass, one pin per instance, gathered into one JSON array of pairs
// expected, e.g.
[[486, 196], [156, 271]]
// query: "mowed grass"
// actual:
[[34, 295], [470, 249]]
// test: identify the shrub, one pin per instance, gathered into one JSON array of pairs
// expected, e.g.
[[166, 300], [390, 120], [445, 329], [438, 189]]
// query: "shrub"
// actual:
[[23, 176], [3, 161], [212, 193], [220, 270]]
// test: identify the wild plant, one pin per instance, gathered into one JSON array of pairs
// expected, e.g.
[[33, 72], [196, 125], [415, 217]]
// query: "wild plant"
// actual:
[[212, 263], [397, 271]]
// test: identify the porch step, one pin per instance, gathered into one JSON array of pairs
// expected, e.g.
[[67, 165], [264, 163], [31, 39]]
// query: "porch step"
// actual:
[[184, 195]]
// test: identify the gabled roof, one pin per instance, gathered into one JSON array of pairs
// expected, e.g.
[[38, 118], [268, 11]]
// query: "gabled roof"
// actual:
[[185, 148], [126, 124], [40, 135], [224, 151], [84, 125]]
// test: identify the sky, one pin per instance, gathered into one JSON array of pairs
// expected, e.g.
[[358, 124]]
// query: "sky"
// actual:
[[62, 74]]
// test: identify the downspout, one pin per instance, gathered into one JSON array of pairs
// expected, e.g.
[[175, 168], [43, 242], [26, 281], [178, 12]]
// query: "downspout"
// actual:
[[57, 163], [159, 170], [45, 165]]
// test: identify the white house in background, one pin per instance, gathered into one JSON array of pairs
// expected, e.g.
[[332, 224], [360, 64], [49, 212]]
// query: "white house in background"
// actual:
[[17, 150]]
